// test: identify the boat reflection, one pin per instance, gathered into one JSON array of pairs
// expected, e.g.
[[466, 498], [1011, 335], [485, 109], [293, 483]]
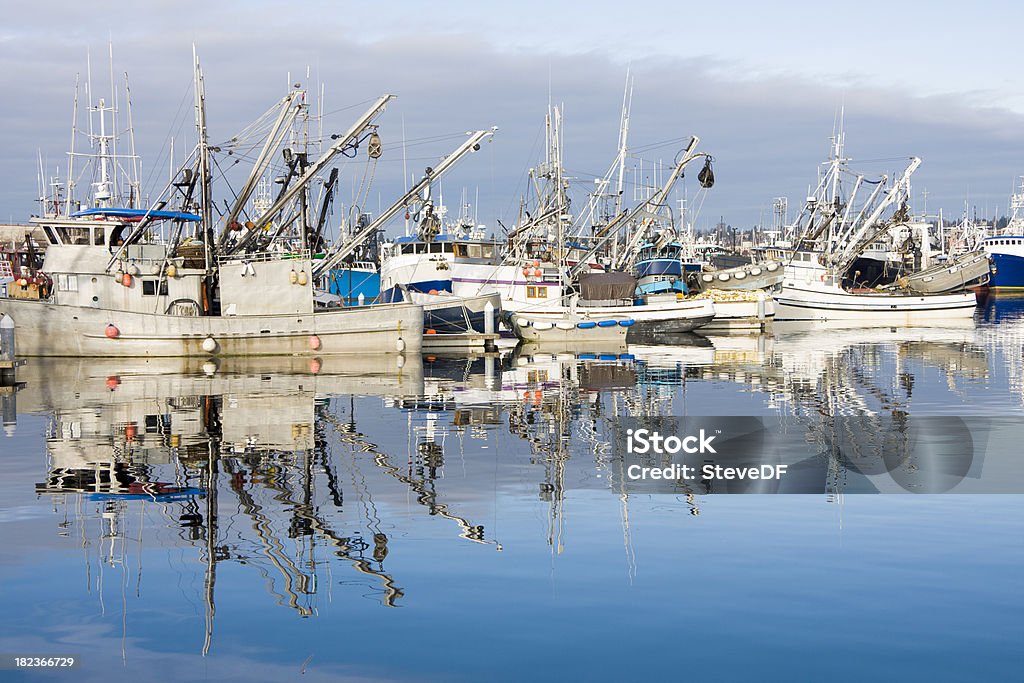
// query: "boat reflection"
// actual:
[[292, 467]]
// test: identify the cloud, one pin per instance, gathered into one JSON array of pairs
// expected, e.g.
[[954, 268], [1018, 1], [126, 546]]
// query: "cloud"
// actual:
[[768, 130]]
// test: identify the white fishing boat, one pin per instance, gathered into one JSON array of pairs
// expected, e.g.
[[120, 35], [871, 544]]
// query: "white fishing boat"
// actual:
[[810, 292], [833, 229], [120, 288]]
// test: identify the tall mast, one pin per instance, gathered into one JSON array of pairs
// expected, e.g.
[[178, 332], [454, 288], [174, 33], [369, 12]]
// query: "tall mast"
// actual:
[[71, 154], [627, 104], [206, 225], [113, 124], [133, 181]]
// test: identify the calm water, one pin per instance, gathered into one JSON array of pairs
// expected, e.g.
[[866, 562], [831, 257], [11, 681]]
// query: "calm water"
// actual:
[[464, 519]]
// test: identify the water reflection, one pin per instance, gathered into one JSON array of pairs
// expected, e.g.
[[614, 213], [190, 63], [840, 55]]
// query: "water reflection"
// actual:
[[294, 471]]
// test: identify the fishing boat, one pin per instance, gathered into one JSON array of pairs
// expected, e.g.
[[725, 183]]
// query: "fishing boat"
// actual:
[[121, 287], [742, 295], [162, 301], [1007, 248], [833, 229]]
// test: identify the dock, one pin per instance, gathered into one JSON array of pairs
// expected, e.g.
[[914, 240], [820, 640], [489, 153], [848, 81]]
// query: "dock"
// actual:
[[473, 342]]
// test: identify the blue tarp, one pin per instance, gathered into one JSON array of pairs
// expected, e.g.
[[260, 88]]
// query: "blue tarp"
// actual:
[[138, 213]]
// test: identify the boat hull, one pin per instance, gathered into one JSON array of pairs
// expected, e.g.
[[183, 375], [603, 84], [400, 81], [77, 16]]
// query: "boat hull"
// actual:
[[682, 315], [1008, 273], [811, 304], [46, 329], [569, 329]]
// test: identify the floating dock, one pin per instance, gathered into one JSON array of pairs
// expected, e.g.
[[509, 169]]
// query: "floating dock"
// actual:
[[477, 342]]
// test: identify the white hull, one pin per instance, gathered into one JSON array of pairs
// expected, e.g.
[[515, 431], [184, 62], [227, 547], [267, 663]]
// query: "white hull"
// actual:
[[566, 330], [666, 316], [828, 302], [45, 329]]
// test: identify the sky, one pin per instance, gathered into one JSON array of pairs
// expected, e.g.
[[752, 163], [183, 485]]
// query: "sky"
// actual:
[[761, 84]]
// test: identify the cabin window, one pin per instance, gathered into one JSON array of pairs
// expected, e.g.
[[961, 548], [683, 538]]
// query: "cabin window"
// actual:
[[536, 292], [78, 236], [474, 250], [49, 234], [97, 237], [67, 283], [460, 250], [488, 251], [149, 287]]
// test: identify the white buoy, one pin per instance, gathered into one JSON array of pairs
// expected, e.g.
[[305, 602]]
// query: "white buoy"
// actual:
[[209, 368], [362, 298], [400, 345], [209, 345]]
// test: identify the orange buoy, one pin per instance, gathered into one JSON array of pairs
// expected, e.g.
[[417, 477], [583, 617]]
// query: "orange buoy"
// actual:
[[112, 332], [537, 272], [314, 366], [126, 279], [314, 342], [430, 331], [433, 292], [526, 272], [113, 382], [430, 359], [130, 431]]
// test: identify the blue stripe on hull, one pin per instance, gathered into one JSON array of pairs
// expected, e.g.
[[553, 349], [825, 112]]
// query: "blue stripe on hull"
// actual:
[[1009, 272]]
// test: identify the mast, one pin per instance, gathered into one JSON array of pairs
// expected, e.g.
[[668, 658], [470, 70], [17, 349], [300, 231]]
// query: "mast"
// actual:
[[627, 105], [114, 195], [135, 194], [205, 180], [71, 154]]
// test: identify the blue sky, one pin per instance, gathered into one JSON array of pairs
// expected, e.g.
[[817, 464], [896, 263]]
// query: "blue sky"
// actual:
[[761, 84]]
